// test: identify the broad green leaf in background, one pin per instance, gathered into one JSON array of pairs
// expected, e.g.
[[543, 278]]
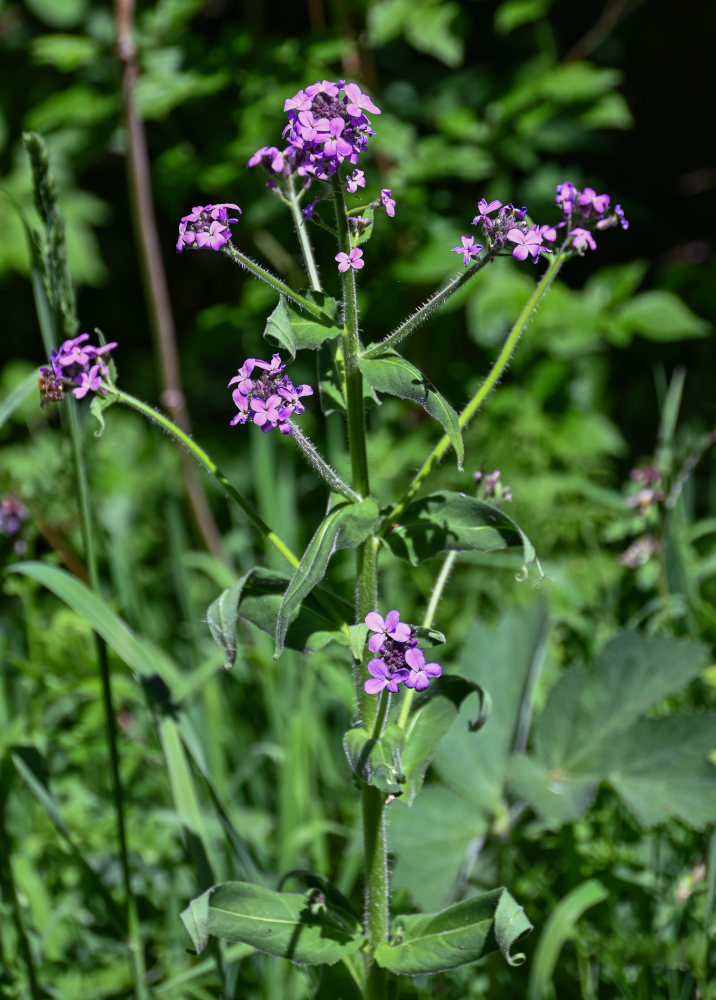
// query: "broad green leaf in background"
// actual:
[[344, 527], [432, 942], [283, 924], [589, 732], [293, 330], [17, 397], [660, 315], [257, 597], [448, 521], [392, 374]]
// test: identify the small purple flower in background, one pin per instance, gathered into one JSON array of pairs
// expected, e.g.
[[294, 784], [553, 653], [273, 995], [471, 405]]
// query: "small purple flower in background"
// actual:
[[354, 181], [526, 243], [639, 552], [12, 514], [353, 259], [619, 212], [388, 627], [420, 671], [206, 226], [582, 238], [489, 487], [469, 249], [265, 395], [388, 202], [74, 365], [383, 677]]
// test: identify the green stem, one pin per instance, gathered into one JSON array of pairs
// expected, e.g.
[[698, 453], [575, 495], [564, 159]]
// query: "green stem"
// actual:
[[376, 887], [302, 233], [133, 933], [263, 275], [201, 456], [483, 392], [420, 315], [324, 470], [440, 584]]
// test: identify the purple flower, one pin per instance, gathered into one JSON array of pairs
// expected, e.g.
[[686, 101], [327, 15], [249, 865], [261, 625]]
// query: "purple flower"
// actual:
[[352, 259], [12, 514], [420, 671], [359, 102], [390, 626], [566, 197], [268, 155], [206, 226], [87, 381], [590, 201], [619, 212], [484, 208], [526, 243], [383, 677], [266, 395], [581, 239], [388, 202], [468, 249], [354, 181]]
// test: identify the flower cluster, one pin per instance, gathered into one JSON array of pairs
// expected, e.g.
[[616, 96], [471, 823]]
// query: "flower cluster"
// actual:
[[509, 230], [206, 226], [399, 660], [74, 363], [489, 487], [327, 125], [265, 395], [13, 514]]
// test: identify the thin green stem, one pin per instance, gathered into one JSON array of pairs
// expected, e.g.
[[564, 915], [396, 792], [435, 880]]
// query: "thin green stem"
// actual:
[[421, 315], [381, 714], [278, 286], [302, 233], [134, 942], [201, 456], [324, 470], [437, 593], [485, 389]]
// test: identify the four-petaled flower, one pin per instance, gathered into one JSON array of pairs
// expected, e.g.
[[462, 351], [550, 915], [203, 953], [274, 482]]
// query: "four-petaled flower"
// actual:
[[354, 181], [420, 671], [582, 238], [526, 243], [353, 259], [390, 626], [88, 382], [468, 249], [484, 208], [589, 199], [383, 677]]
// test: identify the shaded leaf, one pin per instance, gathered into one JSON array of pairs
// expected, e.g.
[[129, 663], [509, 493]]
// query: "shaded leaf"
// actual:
[[344, 527], [285, 925], [448, 521], [660, 315], [392, 374], [257, 597], [376, 761], [293, 330], [461, 934]]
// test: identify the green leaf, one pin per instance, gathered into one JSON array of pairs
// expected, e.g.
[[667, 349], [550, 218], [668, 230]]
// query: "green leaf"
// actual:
[[376, 761], [18, 396], [97, 406], [358, 635], [513, 13], [590, 732], [660, 315], [429, 722], [286, 925], [344, 527], [365, 229], [392, 374], [447, 521], [257, 597], [293, 330], [561, 926], [461, 934]]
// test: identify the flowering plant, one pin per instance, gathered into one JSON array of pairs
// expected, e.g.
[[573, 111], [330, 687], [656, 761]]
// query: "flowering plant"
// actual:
[[404, 700]]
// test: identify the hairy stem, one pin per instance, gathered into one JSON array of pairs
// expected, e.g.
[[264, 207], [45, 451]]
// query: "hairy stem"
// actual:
[[485, 389], [324, 470], [230, 251], [302, 233]]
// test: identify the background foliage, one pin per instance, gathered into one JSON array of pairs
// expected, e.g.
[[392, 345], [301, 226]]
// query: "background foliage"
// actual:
[[237, 775]]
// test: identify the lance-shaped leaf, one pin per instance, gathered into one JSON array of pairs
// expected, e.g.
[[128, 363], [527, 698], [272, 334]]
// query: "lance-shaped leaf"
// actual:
[[331, 389], [392, 374], [344, 527], [432, 942], [377, 761], [454, 521], [293, 330], [590, 732], [257, 597], [307, 929]]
